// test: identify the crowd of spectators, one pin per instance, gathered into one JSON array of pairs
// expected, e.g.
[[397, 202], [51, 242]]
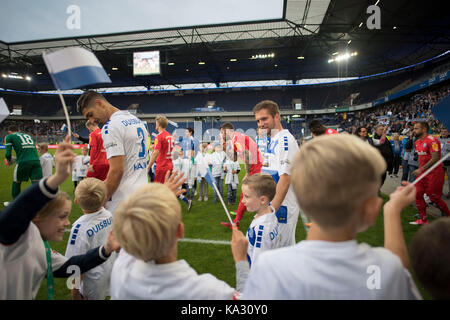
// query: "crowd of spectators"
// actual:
[[399, 115], [50, 132]]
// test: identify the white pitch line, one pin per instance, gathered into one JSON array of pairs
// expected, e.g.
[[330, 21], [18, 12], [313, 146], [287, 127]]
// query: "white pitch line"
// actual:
[[205, 241]]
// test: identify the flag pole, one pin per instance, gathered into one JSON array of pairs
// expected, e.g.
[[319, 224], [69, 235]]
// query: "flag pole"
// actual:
[[69, 129], [432, 168], [223, 203]]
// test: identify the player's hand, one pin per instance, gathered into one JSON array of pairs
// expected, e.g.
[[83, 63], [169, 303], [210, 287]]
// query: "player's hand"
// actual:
[[111, 244], [174, 181], [416, 172], [239, 245], [401, 197], [76, 135], [91, 168], [64, 158]]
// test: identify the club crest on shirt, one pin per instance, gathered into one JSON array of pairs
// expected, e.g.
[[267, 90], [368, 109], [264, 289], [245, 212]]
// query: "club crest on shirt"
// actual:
[[435, 147]]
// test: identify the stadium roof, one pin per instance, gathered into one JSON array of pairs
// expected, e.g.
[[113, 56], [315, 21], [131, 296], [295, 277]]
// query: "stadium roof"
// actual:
[[309, 34]]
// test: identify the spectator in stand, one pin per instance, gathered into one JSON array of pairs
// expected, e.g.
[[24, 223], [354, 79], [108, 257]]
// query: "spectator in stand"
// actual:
[[397, 147], [381, 142], [406, 153], [363, 133], [413, 163]]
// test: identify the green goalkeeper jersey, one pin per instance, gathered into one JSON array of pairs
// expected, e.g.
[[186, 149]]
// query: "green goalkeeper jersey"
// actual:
[[23, 145]]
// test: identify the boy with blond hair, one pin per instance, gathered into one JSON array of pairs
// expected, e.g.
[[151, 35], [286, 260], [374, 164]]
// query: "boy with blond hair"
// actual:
[[90, 230], [336, 181], [265, 229], [46, 159], [148, 226]]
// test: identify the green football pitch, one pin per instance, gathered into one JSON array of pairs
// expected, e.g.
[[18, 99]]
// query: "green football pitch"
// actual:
[[203, 222]]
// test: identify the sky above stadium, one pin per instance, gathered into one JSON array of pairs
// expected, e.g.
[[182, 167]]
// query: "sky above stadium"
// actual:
[[24, 20]]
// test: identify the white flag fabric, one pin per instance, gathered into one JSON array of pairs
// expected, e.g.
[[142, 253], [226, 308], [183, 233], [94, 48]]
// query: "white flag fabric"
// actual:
[[4, 111], [74, 68], [173, 123]]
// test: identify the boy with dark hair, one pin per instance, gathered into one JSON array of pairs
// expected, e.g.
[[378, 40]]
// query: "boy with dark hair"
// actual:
[[430, 260]]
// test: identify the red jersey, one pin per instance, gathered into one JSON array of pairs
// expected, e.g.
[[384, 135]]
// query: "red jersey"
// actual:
[[242, 143], [330, 131], [164, 143], [98, 152], [425, 147]]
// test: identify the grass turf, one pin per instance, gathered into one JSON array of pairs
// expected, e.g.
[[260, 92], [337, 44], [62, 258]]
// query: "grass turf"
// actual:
[[203, 222]]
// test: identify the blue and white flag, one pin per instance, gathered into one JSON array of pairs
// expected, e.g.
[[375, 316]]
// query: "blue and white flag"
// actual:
[[173, 123], [63, 128], [441, 111], [4, 111], [74, 68]]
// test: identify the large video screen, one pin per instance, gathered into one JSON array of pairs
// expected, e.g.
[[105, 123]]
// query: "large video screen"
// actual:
[[146, 63]]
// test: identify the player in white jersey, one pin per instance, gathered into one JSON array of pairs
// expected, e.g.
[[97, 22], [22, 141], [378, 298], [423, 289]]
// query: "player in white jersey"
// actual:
[[125, 139], [277, 163]]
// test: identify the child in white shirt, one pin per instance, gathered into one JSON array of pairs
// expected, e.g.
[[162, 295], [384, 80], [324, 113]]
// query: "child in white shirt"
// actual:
[[231, 179], [189, 170], [80, 167], [201, 162], [177, 161], [90, 231], [217, 160], [147, 266], [263, 233], [46, 159]]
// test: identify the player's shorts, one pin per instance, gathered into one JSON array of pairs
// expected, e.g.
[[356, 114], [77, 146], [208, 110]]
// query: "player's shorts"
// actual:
[[28, 170], [160, 174], [100, 171]]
